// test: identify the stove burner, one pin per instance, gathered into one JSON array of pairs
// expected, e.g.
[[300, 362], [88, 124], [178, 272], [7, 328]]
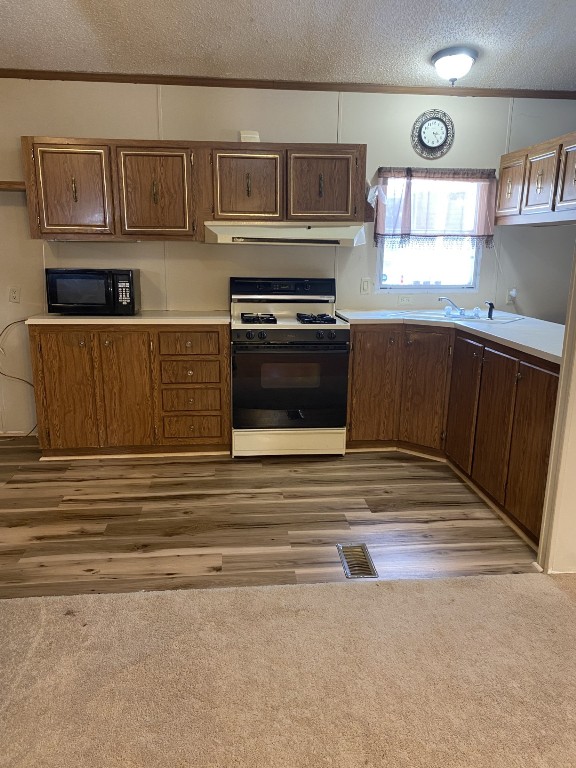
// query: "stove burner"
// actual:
[[321, 319], [258, 317]]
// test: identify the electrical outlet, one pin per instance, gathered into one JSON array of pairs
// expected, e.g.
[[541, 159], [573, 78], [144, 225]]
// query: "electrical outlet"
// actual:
[[365, 285], [14, 294], [405, 299]]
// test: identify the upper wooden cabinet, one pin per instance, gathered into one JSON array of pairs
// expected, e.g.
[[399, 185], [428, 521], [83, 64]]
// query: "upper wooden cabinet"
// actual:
[[566, 189], [112, 189], [322, 185], [155, 190], [537, 185], [248, 185], [511, 184], [73, 189], [541, 175]]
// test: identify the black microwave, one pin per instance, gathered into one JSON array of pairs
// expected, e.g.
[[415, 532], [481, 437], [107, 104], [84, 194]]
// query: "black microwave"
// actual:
[[93, 291]]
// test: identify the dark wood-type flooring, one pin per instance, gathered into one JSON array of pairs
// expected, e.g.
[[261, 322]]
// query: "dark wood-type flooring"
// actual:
[[119, 525]]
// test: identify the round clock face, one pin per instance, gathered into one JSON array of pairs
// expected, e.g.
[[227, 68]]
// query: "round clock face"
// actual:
[[432, 134]]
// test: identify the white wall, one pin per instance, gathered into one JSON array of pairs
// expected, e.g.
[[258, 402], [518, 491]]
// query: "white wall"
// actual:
[[195, 276]]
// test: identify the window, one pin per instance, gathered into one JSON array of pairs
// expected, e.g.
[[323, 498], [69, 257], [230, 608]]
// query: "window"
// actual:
[[431, 225]]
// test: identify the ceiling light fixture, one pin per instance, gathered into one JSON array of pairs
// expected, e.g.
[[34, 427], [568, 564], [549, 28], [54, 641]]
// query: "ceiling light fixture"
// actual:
[[453, 63]]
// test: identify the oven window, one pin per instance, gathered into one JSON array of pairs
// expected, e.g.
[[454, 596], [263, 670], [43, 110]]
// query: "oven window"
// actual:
[[81, 290], [290, 375]]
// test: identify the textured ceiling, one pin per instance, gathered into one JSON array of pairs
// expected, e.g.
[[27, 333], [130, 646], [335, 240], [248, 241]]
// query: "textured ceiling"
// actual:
[[527, 44]]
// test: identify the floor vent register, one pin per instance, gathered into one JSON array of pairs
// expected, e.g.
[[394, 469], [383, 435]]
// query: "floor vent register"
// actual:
[[356, 561]]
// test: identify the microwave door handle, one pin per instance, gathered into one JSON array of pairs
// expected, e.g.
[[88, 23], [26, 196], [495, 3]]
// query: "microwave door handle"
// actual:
[[111, 291]]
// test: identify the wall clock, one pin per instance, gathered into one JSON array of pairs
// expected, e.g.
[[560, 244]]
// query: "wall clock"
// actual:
[[432, 134]]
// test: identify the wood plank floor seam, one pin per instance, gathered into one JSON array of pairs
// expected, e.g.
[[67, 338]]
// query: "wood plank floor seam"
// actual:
[[141, 523]]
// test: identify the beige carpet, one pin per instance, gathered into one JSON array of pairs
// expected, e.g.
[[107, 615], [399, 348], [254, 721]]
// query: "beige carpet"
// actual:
[[457, 673]]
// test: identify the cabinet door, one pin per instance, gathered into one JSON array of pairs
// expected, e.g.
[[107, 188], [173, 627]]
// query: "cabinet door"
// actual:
[[530, 448], [463, 403], [248, 185], [375, 383], [541, 171], [155, 191], [70, 411], [566, 192], [322, 185], [424, 382], [126, 387], [494, 422], [510, 185], [74, 189]]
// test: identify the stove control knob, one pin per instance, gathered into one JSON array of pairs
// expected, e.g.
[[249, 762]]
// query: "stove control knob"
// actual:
[[331, 334], [250, 335], [262, 335], [319, 334]]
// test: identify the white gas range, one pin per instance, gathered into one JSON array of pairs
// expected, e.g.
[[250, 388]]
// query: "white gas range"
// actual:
[[289, 367]]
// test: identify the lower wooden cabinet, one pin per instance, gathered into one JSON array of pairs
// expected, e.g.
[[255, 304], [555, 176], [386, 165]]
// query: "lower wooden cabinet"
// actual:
[[463, 403], [426, 365], [112, 387], [375, 382], [500, 420], [193, 373], [494, 422], [533, 422], [497, 426], [66, 398], [399, 384]]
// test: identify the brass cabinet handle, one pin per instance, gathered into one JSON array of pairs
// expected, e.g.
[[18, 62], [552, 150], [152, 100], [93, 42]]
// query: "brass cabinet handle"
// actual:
[[190, 373], [509, 188], [248, 185], [107, 343], [321, 185], [391, 341], [191, 400], [82, 343], [474, 354], [74, 190], [155, 192], [191, 428], [518, 376], [539, 186], [188, 343]]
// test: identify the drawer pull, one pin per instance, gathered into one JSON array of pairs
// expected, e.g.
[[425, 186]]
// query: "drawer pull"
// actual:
[[107, 343], [191, 401], [191, 429], [188, 343], [190, 373], [82, 343]]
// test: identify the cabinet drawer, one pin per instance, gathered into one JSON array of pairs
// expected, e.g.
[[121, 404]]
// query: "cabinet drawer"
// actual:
[[192, 426], [190, 371], [190, 343], [191, 399]]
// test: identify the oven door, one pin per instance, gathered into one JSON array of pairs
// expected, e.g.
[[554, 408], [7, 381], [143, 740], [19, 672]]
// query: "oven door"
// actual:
[[279, 386]]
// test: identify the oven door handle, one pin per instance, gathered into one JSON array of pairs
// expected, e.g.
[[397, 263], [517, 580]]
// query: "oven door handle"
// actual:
[[289, 349]]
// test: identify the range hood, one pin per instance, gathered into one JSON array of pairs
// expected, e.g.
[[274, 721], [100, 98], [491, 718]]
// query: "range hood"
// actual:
[[285, 233]]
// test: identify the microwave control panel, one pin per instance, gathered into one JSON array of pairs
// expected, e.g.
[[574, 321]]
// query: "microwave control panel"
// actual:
[[123, 292]]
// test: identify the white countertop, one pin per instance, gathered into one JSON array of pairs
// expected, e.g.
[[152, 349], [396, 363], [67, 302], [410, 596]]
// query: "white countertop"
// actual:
[[146, 317], [525, 334]]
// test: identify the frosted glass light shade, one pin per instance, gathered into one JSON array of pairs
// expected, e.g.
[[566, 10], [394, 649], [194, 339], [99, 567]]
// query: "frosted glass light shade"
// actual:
[[453, 63]]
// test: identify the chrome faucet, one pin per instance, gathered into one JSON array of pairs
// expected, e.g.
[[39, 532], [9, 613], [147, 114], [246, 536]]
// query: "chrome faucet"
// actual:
[[458, 309]]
